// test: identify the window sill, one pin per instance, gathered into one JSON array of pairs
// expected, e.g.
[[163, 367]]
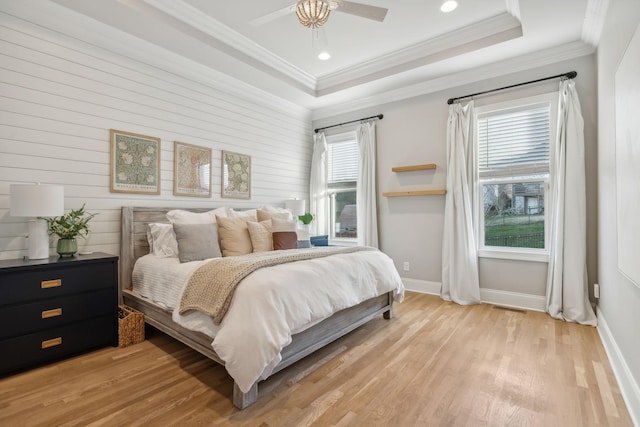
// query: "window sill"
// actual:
[[520, 255], [343, 242]]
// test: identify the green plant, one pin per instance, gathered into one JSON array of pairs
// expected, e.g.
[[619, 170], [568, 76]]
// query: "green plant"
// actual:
[[70, 225], [306, 218]]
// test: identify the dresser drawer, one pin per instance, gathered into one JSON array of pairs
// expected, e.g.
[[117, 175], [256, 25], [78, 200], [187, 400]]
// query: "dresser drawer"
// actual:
[[21, 319], [41, 347], [27, 286]]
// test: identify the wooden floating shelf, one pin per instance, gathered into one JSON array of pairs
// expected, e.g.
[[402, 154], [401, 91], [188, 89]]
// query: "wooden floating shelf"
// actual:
[[415, 193], [413, 168]]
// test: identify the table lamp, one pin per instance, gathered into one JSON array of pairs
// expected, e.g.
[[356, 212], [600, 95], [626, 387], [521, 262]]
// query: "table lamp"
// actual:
[[35, 200], [295, 206]]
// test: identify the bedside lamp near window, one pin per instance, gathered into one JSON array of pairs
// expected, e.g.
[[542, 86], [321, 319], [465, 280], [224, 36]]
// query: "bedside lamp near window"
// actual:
[[296, 207], [35, 200]]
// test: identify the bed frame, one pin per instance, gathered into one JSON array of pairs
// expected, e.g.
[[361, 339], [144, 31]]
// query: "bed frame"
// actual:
[[134, 245]]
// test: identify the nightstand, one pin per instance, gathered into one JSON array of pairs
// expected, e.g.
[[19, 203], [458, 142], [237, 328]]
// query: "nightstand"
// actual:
[[56, 307]]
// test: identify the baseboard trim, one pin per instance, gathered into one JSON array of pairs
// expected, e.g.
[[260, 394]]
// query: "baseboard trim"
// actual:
[[421, 286], [628, 385], [488, 296], [513, 299]]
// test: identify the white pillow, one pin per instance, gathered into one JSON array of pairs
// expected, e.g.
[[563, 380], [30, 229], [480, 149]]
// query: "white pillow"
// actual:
[[162, 240], [276, 209], [178, 216], [280, 224], [249, 214]]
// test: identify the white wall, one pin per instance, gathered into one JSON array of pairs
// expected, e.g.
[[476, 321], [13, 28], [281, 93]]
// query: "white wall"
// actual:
[[412, 132], [60, 94], [619, 304]]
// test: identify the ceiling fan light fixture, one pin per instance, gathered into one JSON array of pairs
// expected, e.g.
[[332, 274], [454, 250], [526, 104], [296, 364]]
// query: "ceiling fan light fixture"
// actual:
[[313, 13], [324, 56], [449, 6]]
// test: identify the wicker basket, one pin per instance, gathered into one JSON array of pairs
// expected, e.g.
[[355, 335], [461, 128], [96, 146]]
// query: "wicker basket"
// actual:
[[130, 326]]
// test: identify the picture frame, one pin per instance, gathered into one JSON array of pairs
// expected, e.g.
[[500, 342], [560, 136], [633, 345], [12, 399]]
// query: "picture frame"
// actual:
[[191, 170], [134, 163], [236, 175]]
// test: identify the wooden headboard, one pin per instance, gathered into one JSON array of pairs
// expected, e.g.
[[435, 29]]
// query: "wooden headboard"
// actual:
[[133, 240]]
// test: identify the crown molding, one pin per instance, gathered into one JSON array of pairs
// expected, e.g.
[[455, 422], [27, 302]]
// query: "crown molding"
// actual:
[[521, 63], [513, 7], [71, 29], [489, 31], [204, 23], [595, 15]]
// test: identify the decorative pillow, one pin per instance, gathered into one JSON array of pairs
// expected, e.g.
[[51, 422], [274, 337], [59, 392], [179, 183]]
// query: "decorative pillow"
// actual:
[[251, 214], [162, 240], [260, 233], [284, 234], [178, 216], [279, 224], [197, 241], [303, 236], [284, 240], [234, 236], [264, 215]]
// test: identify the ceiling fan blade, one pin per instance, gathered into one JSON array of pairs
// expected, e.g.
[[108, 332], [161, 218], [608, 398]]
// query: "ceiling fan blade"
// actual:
[[273, 15], [363, 10]]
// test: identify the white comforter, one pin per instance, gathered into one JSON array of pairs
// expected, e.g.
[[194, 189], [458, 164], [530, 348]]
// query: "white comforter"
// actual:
[[273, 303]]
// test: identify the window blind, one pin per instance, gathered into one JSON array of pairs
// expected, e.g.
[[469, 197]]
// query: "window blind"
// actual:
[[342, 161], [514, 143]]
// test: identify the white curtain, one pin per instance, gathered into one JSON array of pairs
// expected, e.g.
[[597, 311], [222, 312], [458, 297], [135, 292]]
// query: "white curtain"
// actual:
[[460, 281], [318, 204], [367, 216], [567, 292]]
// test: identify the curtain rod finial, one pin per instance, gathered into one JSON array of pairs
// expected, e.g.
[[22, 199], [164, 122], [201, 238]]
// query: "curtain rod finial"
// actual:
[[572, 74]]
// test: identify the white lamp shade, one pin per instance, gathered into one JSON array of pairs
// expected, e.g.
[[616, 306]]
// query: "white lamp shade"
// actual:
[[297, 207], [31, 200]]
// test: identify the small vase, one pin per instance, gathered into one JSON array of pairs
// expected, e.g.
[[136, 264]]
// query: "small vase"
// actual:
[[67, 247]]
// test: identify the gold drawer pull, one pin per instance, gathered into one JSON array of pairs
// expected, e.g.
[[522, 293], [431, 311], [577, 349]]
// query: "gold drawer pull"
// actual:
[[46, 284], [52, 313], [51, 343]]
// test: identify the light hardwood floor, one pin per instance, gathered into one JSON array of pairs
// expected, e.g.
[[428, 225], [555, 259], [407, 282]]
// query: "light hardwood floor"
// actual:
[[435, 364]]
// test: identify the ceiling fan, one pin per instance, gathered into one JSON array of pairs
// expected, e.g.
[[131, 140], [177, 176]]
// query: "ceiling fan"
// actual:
[[314, 13]]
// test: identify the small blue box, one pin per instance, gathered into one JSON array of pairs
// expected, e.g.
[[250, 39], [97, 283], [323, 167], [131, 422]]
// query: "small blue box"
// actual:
[[320, 240]]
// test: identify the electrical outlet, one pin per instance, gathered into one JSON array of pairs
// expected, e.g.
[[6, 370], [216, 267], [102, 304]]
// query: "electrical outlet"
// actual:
[[406, 266], [596, 290]]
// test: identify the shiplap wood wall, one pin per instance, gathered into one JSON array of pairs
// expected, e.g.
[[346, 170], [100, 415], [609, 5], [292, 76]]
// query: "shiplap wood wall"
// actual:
[[59, 96]]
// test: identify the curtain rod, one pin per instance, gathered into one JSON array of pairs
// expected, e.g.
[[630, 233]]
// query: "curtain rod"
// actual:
[[569, 75], [379, 117]]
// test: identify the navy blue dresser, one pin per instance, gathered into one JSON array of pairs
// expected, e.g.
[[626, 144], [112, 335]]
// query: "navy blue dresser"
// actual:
[[54, 308]]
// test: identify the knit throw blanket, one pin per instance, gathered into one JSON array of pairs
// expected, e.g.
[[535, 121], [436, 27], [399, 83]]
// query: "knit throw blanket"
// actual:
[[211, 287]]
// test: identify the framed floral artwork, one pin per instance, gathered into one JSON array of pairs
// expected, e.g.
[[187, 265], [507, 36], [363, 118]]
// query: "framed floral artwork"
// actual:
[[236, 175], [135, 163], [191, 170]]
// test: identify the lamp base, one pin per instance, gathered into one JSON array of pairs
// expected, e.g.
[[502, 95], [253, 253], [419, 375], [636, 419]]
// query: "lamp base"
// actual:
[[38, 239]]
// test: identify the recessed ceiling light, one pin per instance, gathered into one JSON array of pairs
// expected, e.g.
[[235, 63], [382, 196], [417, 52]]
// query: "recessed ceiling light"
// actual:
[[449, 6], [323, 56]]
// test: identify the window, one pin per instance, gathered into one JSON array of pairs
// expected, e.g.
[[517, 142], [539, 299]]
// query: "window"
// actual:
[[513, 143], [342, 178]]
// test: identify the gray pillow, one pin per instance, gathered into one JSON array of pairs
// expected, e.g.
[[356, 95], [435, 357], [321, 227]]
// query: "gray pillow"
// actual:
[[197, 241]]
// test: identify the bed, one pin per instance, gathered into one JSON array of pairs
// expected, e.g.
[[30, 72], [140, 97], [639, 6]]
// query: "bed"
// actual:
[[134, 246]]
